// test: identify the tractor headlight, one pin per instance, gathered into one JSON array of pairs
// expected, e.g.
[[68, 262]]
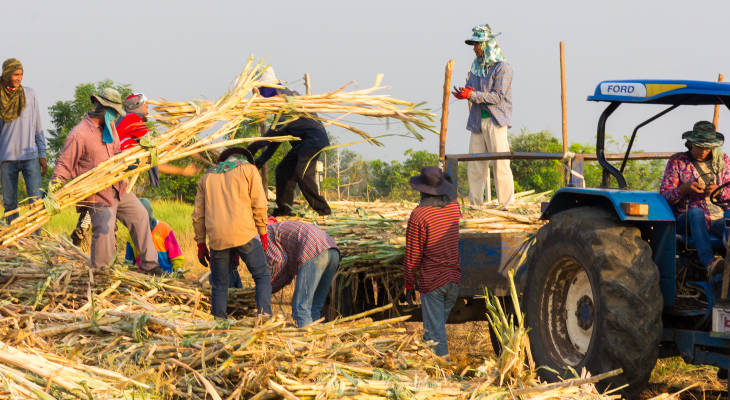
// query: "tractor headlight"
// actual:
[[635, 209]]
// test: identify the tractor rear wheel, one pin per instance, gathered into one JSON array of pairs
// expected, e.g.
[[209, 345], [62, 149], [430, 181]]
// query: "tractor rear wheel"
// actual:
[[593, 300]]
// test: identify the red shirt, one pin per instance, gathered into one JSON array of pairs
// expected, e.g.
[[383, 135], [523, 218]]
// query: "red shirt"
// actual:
[[130, 129], [432, 247]]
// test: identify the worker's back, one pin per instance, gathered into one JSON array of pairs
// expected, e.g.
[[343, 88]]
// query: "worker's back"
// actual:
[[230, 207]]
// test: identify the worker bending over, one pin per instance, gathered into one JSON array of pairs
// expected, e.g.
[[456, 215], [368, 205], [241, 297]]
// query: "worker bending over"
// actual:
[[169, 254], [298, 165]]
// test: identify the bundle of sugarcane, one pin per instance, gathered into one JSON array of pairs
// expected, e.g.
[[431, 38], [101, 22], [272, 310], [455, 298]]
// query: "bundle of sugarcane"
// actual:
[[27, 375], [289, 108], [179, 141], [186, 138]]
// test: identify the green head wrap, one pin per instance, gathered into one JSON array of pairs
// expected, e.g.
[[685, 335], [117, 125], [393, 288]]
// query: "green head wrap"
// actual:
[[9, 66], [12, 102]]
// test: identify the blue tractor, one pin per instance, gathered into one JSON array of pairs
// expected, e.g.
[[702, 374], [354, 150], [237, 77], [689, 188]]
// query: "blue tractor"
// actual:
[[602, 283]]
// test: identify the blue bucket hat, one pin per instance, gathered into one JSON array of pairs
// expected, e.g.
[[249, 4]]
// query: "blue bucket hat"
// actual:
[[481, 33]]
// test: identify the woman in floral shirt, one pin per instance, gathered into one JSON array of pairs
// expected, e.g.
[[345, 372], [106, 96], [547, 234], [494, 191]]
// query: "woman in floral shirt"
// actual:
[[689, 179]]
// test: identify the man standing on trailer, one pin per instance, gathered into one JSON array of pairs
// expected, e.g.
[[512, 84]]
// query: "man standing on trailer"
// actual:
[[431, 263], [489, 92]]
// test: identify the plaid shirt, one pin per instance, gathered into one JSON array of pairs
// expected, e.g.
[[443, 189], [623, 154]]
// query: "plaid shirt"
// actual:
[[493, 92], [291, 244]]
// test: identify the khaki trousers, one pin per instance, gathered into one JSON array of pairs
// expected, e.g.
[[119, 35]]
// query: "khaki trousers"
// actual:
[[492, 139], [103, 238]]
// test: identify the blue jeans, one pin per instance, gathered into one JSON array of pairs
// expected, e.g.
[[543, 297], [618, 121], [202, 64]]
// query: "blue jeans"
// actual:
[[435, 308], [313, 283], [252, 253], [9, 171], [698, 231]]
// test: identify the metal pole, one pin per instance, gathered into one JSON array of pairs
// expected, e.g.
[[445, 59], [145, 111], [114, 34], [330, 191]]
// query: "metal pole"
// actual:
[[715, 120], [563, 97], [445, 113]]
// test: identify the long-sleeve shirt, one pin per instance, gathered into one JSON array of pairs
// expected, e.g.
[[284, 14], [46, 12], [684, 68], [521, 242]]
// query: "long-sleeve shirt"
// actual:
[[84, 150], [680, 170], [311, 133], [23, 138], [432, 247], [169, 254], [230, 207], [492, 93], [291, 244]]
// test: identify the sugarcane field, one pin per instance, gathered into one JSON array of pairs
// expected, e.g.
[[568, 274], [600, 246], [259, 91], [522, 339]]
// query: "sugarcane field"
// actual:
[[382, 200]]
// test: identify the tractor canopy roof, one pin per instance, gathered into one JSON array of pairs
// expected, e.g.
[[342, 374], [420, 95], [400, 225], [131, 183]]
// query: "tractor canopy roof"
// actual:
[[650, 91]]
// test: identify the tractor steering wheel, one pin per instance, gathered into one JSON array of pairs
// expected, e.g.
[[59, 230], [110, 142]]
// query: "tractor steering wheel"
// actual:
[[715, 195]]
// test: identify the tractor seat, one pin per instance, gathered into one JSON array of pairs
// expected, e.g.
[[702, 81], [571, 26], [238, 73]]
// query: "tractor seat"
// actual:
[[715, 241]]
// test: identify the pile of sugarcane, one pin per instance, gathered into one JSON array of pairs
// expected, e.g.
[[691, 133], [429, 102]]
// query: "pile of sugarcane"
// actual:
[[371, 238], [189, 136], [125, 335]]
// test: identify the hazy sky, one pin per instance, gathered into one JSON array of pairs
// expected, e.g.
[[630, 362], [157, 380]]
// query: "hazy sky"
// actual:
[[182, 50]]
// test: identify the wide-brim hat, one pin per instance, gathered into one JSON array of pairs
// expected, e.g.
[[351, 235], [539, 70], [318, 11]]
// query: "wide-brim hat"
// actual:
[[110, 98], [431, 181], [481, 33], [703, 134]]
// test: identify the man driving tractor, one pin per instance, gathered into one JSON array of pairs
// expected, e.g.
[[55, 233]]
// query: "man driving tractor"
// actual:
[[689, 180]]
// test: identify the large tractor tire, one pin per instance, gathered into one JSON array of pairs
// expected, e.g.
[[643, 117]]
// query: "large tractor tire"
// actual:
[[593, 300]]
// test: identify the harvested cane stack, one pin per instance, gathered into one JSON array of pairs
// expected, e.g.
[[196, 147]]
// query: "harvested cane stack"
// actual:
[[371, 238], [149, 339], [183, 138]]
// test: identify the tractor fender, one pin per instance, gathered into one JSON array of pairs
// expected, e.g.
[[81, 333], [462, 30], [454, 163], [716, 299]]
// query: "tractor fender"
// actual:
[[610, 199]]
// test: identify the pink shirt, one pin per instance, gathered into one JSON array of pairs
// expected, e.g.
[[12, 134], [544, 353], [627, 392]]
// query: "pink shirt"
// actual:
[[83, 151]]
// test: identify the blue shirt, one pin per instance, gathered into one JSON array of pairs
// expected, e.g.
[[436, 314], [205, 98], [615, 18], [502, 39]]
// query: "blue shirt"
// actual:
[[492, 92], [23, 138]]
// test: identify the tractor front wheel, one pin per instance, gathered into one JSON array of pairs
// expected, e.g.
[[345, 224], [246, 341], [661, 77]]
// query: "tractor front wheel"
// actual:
[[593, 299]]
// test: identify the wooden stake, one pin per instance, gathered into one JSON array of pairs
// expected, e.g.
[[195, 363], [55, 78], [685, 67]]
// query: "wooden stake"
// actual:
[[715, 120], [563, 97], [265, 167], [445, 113], [307, 84]]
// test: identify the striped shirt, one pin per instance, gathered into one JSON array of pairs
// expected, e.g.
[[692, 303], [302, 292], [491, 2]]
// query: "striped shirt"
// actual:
[[493, 92], [291, 244], [432, 247]]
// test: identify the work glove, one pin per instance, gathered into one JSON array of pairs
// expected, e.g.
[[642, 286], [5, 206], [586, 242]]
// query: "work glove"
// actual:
[[203, 254], [264, 241], [410, 296], [463, 93]]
